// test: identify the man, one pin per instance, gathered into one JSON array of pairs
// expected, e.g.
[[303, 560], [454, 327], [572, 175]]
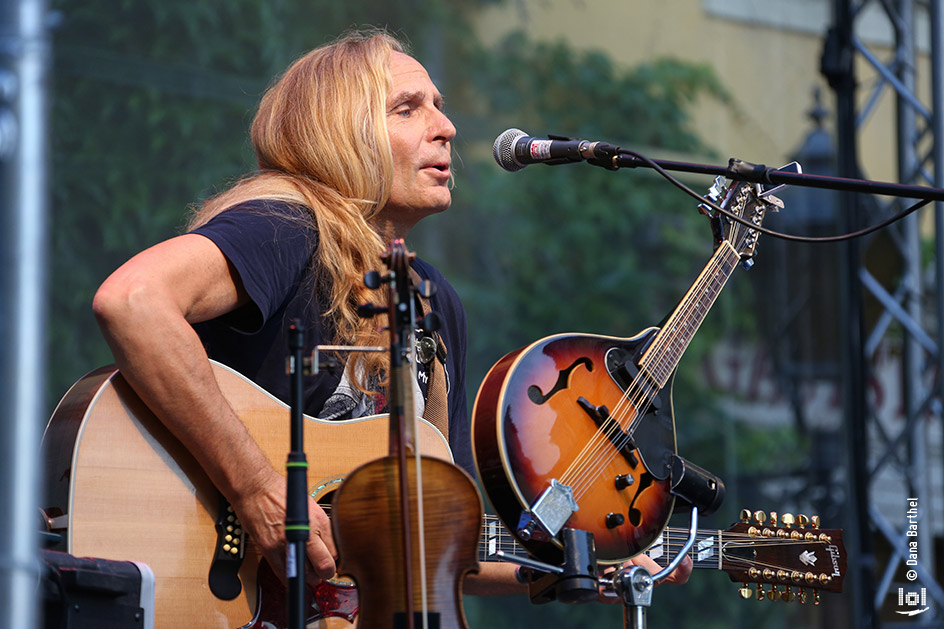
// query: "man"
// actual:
[[353, 150]]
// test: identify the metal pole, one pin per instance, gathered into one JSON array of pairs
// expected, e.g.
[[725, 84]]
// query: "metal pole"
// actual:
[[838, 66], [937, 123], [23, 162]]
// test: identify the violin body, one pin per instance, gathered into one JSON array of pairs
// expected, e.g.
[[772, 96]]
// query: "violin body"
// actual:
[[370, 541], [534, 422]]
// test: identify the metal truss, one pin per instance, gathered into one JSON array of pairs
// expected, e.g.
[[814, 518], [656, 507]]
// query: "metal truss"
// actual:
[[908, 324]]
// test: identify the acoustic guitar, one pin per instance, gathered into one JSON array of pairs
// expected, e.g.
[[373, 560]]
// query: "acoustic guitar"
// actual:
[[119, 486]]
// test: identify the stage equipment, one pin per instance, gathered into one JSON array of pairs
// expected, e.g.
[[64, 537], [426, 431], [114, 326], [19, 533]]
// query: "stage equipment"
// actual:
[[86, 593]]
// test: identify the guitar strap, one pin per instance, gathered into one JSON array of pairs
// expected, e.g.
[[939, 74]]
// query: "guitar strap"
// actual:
[[436, 411]]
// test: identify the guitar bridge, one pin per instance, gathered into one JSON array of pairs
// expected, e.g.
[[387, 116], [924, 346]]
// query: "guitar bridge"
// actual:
[[230, 548]]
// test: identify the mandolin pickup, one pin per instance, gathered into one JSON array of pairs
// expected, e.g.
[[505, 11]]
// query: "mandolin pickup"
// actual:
[[622, 441]]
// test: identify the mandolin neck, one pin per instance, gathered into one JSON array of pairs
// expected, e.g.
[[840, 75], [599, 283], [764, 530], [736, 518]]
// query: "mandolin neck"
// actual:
[[670, 343]]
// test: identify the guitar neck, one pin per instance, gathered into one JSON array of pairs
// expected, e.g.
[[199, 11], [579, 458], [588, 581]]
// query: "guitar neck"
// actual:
[[670, 343], [706, 553]]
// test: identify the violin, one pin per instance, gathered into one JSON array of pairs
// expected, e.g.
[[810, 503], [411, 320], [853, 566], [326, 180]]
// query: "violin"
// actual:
[[406, 526]]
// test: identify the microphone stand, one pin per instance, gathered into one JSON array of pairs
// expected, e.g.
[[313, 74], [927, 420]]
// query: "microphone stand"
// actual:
[[296, 508], [758, 173]]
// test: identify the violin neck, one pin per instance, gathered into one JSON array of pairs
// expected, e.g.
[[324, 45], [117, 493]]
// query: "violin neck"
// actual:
[[402, 410]]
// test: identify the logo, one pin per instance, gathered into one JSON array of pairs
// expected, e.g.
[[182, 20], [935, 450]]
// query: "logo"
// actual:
[[913, 599], [807, 558]]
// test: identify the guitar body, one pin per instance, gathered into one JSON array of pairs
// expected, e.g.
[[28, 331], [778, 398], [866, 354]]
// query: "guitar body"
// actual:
[[531, 425], [127, 490]]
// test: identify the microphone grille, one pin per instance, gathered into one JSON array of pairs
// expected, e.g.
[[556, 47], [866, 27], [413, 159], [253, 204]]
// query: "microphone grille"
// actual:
[[504, 149]]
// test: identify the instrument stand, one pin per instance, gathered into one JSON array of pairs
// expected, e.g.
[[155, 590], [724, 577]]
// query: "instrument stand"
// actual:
[[634, 585]]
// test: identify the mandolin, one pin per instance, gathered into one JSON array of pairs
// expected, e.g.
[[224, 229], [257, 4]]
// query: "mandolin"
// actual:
[[578, 430]]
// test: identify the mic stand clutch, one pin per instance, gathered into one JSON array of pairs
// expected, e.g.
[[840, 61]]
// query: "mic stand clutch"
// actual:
[[576, 582], [634, 583]]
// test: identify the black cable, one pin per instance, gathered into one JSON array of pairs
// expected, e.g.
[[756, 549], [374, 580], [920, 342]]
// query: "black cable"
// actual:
[[764, 230]]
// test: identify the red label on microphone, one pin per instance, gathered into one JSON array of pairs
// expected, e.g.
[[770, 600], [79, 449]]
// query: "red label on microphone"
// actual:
[[540, 149]]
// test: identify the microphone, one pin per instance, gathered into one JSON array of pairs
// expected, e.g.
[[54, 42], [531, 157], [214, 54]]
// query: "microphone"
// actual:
[[514, 150]]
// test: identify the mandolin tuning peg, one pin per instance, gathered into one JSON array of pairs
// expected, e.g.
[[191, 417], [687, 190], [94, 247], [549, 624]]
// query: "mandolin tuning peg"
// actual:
[[761, 594], [816, 597], [745, 515], [801, 596], [815, 520], [788, 595], [760, 517], [788, 520], [773, 518], [802, 521], [745, 591]]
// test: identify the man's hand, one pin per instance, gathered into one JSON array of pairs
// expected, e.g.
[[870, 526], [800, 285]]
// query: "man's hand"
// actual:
[[676, 577], [262, 515]]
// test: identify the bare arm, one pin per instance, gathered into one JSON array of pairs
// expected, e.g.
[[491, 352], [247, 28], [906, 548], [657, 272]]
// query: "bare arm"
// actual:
[[145, 309]]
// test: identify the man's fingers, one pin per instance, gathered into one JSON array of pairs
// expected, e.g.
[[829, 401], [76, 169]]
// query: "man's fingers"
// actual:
[[320, 558]]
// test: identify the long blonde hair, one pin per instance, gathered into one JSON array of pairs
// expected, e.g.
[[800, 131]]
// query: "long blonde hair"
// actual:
[[320, 137]]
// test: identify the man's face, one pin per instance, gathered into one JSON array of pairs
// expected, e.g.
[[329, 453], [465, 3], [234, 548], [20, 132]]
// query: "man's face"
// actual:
[[419, 134]]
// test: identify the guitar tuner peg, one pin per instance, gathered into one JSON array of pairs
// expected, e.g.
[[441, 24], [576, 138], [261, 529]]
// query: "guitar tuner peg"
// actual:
[[788, 595], [801, 596], [745, 591], [802, 521], [788, 520], [815, 597], [760, 517], [815, 521], [761, 594], [773, 518], [745, 515]]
